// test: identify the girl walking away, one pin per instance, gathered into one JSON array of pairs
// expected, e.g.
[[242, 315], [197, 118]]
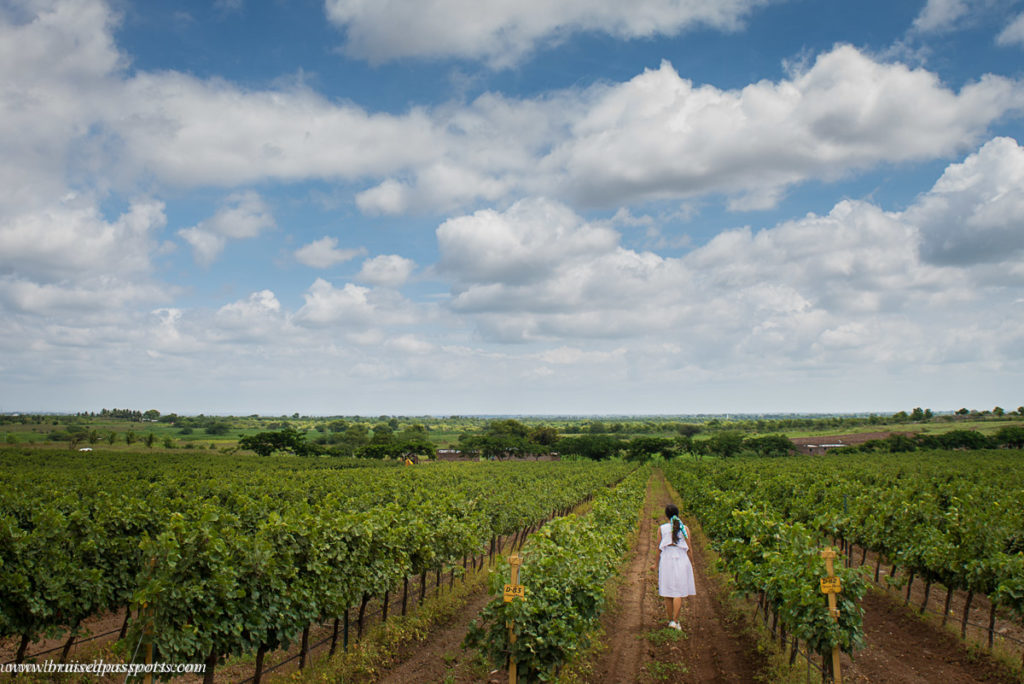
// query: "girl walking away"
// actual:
[[675, 572]]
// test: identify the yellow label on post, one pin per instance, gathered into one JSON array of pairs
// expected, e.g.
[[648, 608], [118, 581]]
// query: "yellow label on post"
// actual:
[[830, 585], [514, 591]]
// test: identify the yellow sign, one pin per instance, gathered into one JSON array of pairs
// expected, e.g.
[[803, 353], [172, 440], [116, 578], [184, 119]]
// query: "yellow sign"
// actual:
[[514, 591], [830, 585]]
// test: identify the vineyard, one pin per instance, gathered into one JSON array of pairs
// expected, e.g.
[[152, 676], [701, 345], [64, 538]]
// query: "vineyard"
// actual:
[[227, 559], [946, 518], [239, 556]]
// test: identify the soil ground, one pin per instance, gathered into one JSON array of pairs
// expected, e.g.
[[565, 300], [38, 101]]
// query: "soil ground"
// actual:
[[713, 647], [718, 642]]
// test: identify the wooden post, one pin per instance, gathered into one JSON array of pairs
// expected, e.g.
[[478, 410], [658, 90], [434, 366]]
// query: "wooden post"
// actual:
[[304, 648], [830, 585], [261, 652], [967, 613], [512, 589], [148, 679]]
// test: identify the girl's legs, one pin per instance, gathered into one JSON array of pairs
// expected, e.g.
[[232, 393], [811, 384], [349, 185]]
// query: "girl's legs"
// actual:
[[677, 604], [668, 607]]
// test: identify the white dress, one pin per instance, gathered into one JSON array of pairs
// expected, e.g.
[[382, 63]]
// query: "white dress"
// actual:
[[675, 573]]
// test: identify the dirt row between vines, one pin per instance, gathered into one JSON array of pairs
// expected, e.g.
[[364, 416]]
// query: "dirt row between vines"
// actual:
[[718, 643], [713, 647], [636, 645]]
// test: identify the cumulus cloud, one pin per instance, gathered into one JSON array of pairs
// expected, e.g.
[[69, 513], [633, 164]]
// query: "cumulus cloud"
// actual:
[[72, 238], [353, 306], [80, 297], [527, 242], [940, 15], [973, 213], [657, 135], [806, 292], [1013, 34], [56, 59], [501, 32], [386, 270], [244, 215], [661, 136], [324, 253], [256, 318]]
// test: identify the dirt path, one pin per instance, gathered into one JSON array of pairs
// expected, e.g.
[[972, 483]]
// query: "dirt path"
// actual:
[[905, 649], [636, 604], [718, 648], [712, 646], [440, 658]]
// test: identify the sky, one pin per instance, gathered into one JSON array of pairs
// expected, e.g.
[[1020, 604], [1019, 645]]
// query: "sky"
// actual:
[[437, 207]]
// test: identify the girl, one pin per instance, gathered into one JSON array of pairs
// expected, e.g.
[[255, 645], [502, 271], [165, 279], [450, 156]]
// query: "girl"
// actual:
[[675, 573]]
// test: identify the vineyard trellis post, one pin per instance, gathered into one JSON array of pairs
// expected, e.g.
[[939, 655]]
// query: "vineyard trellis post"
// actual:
[[513, 590], [830, 585]]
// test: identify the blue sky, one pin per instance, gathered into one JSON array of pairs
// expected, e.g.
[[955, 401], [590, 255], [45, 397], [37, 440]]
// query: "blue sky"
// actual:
[[481, 207]]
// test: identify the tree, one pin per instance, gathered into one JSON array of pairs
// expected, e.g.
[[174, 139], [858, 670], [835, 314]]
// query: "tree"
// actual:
[[1012, 437], [266, 443], [111, 438], [688, 429], [544, 436], [998, 411], [151, 414], [382, 434], [381, 450], [218, 428], [499, 438], [594, 447], [769, 445], [150, 439], [726, 443], [642, 448]]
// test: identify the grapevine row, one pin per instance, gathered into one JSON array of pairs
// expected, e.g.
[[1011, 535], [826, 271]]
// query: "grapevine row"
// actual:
[[565, 569], [239, 556], [947, 517], [772, 557]]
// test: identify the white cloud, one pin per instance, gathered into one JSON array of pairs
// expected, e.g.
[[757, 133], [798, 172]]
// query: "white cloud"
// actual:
[[353, 307], [660, 136], [244, 215], [1013, 34], [529, 241], [56, 59], [973, 214], [78, 298], [206, 246], [799, 293], [324, 253], [258, 318], [502, 32], [940, 15], [326, 305], [409, 344], [386, 270], [72, 239], [655, 136]]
